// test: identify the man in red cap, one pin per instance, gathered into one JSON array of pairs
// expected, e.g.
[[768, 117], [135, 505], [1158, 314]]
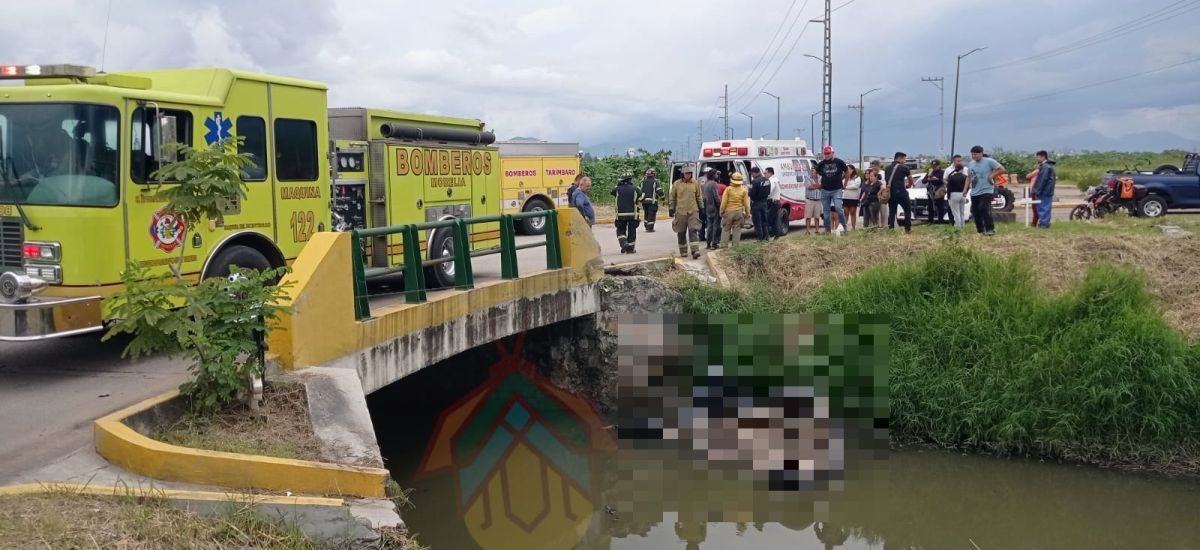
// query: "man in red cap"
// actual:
[[833, 174]]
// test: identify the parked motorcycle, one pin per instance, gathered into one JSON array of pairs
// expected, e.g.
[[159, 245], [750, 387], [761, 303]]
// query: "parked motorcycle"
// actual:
[[1102, 200]]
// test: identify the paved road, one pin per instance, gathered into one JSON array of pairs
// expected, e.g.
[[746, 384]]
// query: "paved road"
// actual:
[[51, 391]]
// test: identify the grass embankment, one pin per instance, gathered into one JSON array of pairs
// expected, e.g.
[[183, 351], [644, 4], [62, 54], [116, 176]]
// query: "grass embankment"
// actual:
[[61, 519], [1062, 352], [281, 429]]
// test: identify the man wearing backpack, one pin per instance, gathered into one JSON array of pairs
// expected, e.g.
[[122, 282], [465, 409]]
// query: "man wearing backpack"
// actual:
[[571, 190], [760, 193]]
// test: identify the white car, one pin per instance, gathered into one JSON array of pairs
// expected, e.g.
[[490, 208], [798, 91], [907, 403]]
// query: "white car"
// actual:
[[919, 196]]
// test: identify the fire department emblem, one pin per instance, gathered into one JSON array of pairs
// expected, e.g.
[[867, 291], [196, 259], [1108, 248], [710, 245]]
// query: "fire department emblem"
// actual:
[[167, 230]]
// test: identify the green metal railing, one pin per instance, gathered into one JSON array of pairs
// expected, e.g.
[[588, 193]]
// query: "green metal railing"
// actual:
[[464, 277]]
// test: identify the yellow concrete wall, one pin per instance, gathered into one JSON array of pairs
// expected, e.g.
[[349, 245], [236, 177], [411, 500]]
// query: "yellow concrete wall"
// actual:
[[124, 447], [579, 247], [321, 323], [322, 327]]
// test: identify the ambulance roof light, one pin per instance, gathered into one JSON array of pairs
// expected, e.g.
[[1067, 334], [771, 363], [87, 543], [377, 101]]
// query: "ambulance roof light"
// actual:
[[9, 72]]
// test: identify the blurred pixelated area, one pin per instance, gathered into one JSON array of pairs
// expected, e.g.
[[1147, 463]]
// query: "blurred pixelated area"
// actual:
[[783, 402]]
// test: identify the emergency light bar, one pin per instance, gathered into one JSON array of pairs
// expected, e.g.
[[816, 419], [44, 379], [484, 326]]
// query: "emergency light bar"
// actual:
[[8, 72], [726, 151]]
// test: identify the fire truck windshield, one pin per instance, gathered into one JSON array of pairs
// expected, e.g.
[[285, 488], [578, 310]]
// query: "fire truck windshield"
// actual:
[[61, 154]]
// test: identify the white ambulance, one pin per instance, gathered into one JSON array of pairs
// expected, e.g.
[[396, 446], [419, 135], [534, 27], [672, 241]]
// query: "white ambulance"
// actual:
[[792, 160]]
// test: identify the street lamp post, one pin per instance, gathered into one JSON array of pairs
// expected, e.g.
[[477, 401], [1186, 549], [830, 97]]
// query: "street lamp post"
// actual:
[[751, 124], [860, 124], [957, 73], [777, 103], [812, 125], [826, 93]]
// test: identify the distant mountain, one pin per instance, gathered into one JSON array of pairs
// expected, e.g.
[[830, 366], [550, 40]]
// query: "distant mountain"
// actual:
[[524, 139], [1094, 141]]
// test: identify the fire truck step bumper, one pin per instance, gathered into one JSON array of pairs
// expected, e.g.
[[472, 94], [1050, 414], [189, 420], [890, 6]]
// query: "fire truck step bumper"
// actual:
[[46, 318]]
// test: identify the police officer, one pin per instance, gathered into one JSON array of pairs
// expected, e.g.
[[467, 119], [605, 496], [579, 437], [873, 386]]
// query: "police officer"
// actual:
[[652, 192], [684, 207], [629, 202]]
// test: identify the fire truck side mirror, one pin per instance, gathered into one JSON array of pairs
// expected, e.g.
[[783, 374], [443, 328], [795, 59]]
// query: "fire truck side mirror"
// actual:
[[163, 139]]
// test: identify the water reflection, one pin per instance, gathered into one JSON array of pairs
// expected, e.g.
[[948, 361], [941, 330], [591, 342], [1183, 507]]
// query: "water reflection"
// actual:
[[500, 459]]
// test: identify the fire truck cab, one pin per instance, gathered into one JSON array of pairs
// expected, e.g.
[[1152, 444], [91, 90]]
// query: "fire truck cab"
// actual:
[[79, 198], [791, 160]]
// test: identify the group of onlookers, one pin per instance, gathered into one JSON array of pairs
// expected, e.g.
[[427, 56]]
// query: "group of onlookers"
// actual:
[[711, 212]]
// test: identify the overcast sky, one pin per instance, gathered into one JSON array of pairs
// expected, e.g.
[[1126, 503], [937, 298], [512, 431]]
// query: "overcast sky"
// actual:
[[647, 72]]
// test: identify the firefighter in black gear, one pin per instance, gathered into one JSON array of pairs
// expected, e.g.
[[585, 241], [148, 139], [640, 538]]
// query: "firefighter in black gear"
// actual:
[[652, 192], [629, 202]]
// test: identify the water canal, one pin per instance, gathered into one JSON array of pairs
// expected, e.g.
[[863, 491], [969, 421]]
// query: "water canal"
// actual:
[[500, 459]]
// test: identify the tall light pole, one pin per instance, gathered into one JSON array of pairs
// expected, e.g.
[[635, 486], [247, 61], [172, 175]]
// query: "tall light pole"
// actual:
[[777, 103], [939, 82], [826, 89], [812, 126], [859, 108], [957, 74], [751, 123]]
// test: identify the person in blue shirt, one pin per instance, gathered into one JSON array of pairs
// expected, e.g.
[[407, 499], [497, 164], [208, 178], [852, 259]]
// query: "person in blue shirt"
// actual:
[[983, 171], [581, 201]]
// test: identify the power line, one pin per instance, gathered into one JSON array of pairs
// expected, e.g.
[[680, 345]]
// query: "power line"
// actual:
[[930, 116], [1153, 18], [781, 63], [767, 49], [844, 5], [777, 48], [1086, 86]]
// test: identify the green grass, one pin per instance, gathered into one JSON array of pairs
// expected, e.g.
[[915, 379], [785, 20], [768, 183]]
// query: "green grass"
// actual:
[[981, 359]]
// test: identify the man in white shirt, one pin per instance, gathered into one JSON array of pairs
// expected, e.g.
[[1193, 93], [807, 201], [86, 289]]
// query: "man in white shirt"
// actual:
[[773, 225]]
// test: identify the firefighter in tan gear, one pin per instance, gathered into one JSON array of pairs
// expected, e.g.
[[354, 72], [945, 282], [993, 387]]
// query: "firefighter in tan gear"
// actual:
[[684, 207]]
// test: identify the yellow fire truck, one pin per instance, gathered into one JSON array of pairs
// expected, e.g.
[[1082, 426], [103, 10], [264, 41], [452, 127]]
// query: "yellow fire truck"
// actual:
[[536, 177], [77, 199]]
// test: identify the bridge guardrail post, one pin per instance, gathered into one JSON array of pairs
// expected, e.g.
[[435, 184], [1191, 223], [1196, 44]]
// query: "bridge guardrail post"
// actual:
[[362, 304], [553, 246], [414, 272], [508, 248], [464, 277]]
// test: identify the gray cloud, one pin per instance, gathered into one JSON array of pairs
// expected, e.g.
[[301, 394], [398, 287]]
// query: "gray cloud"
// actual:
[[648, 72]]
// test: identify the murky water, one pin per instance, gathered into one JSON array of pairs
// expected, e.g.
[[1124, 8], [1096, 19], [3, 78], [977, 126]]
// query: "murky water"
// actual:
[[505, 461]]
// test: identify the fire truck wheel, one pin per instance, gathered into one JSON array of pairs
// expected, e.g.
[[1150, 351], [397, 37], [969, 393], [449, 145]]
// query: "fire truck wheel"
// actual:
[[241, 256], [534, 226], [441, 245]]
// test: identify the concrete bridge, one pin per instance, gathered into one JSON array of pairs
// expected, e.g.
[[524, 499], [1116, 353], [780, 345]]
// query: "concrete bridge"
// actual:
[[327, 328]]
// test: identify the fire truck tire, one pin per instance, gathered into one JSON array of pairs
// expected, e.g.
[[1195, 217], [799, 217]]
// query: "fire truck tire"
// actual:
[[441, 245], [239, 255], [534, 226]]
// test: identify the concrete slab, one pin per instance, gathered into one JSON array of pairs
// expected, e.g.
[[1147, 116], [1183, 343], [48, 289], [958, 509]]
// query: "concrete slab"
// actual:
[[337, 407]]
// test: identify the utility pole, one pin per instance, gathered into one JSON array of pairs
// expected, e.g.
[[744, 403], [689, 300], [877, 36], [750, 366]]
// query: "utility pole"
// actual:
[[940, 83], [701, 134], [827, 92], [957, 74], [726, 117], [777, 103], [859, 108], [799, 132]]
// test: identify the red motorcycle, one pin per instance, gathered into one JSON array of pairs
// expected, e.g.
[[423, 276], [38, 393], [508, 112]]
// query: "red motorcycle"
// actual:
[[1101, 200]]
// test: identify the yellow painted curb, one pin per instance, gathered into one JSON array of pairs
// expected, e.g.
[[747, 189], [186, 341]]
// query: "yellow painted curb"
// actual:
[[722, 278], [124, 491], [124, 447]]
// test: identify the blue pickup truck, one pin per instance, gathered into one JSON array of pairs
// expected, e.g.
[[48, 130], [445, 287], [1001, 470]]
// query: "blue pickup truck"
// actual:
[[1168, 189]]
